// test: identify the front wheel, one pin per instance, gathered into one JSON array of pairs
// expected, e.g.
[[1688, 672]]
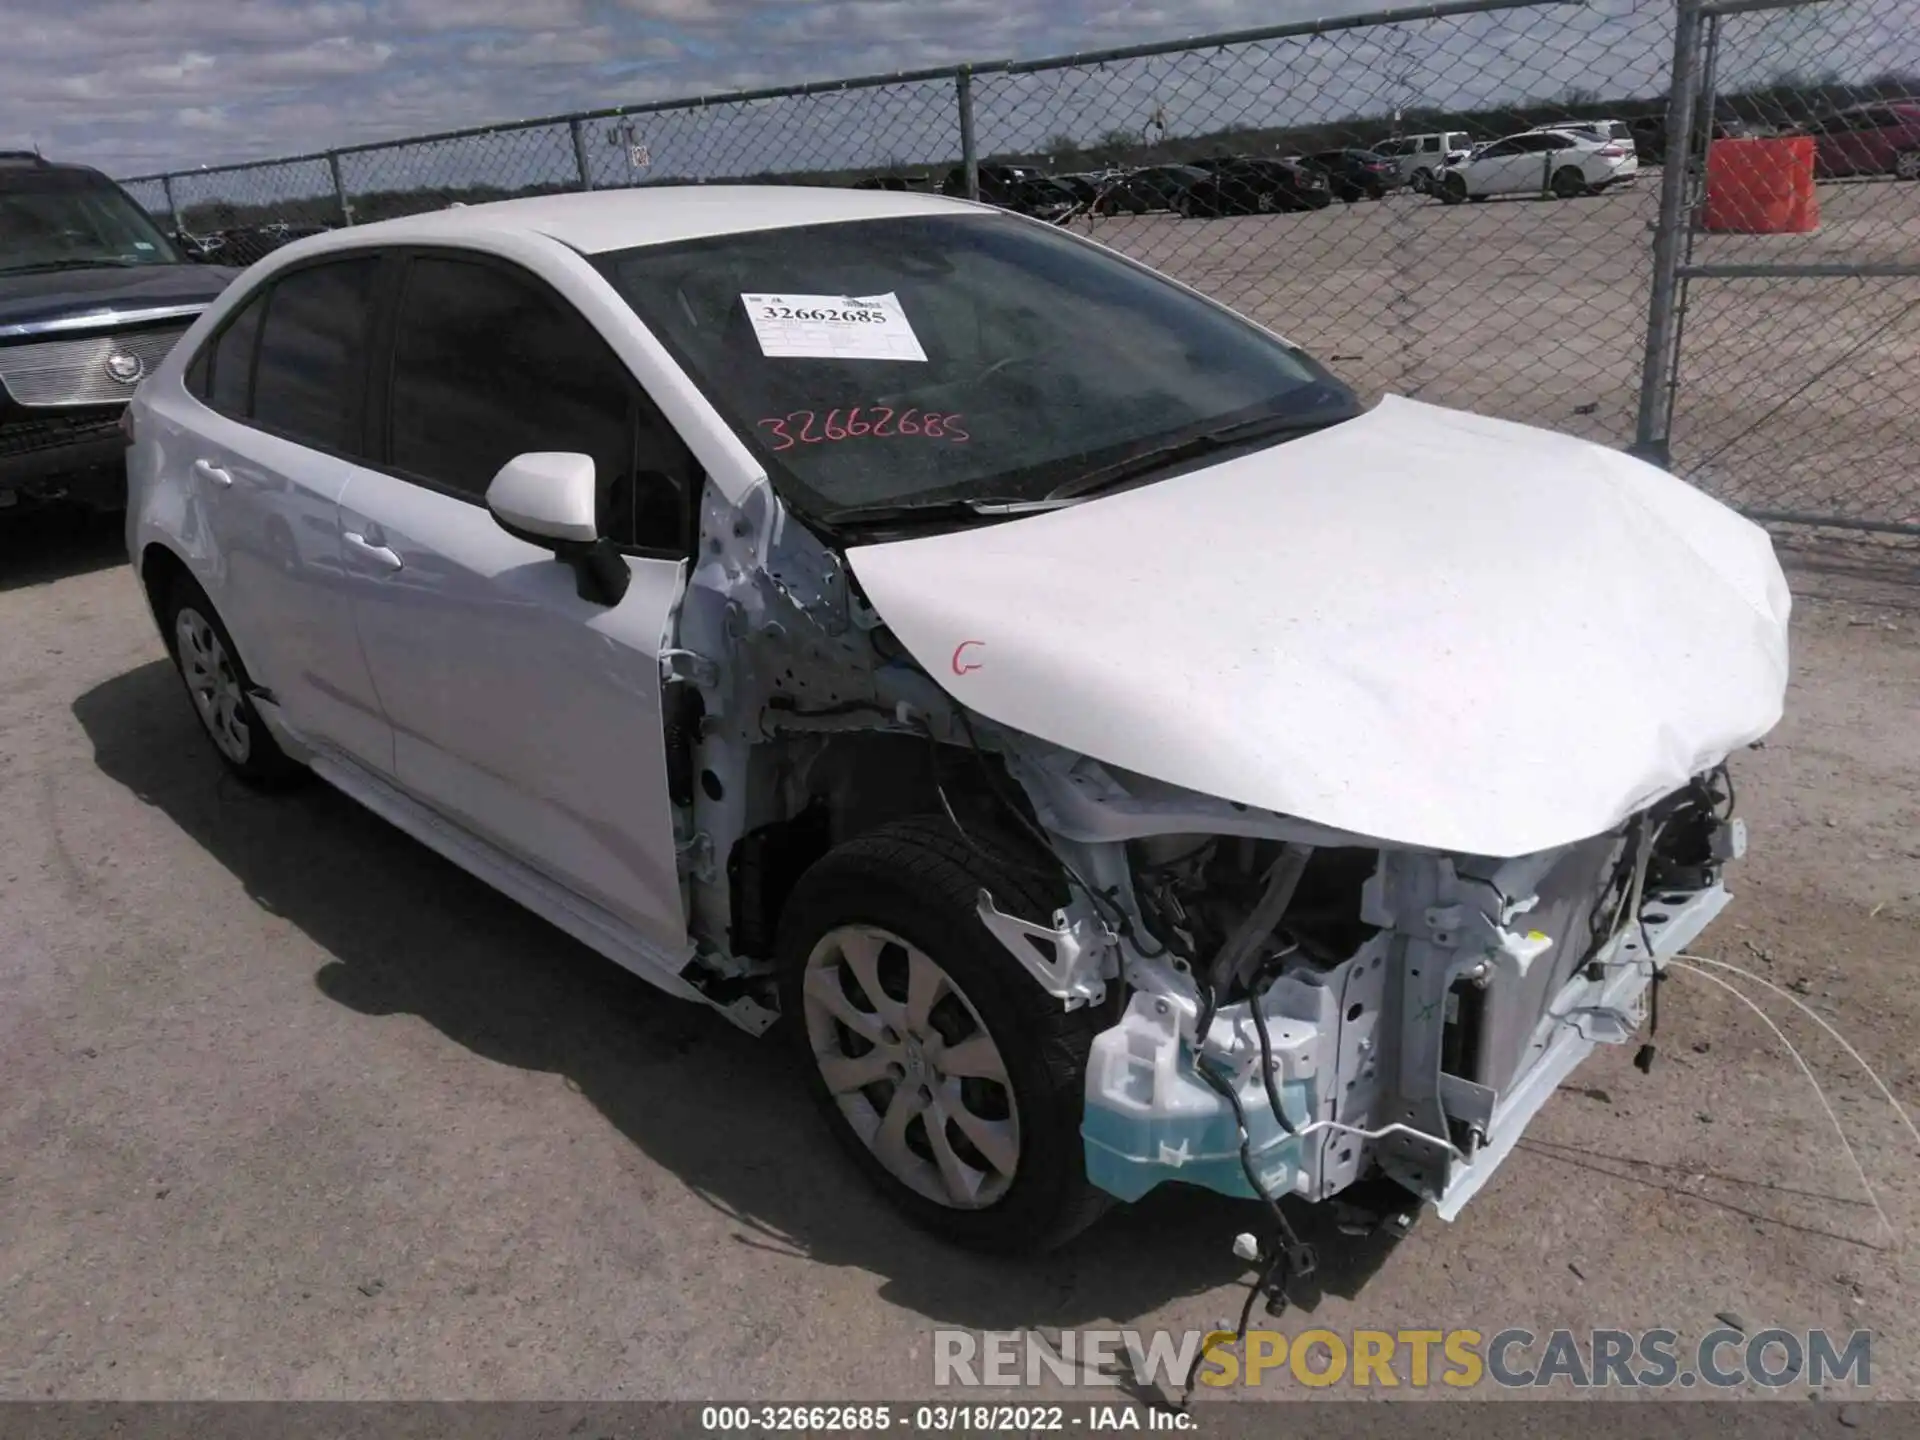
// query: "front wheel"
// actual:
[[1453, 189], [1906, 166], [1422, 180], [954, 1081]]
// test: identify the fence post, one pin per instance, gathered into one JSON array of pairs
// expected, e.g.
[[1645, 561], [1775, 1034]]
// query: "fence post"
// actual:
[[1652, 433], [969, 159], [339, 188], [579, 134], [173, 205]]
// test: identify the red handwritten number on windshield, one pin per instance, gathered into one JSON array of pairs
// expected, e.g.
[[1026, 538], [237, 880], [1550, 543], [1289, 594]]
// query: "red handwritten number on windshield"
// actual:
[[961, 665], [919, 424]]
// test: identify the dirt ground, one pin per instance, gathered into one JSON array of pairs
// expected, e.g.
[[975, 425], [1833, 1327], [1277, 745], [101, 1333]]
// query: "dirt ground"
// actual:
[[290, 1107]]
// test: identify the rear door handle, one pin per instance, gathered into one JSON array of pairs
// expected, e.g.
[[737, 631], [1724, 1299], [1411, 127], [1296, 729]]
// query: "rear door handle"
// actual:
[[212, 473], [381, 553]]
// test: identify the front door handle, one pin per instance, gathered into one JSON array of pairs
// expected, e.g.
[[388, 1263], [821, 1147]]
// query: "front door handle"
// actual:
[[212, 473], [380, 553]]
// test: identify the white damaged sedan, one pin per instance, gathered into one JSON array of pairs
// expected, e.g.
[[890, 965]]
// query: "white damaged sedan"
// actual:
[[1114, 753]]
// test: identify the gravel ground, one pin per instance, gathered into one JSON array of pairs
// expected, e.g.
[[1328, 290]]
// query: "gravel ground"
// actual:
[[289, 1107]]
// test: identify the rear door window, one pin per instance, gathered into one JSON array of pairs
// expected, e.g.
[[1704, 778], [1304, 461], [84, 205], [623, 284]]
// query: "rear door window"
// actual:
[[309, 371], [229, 385]]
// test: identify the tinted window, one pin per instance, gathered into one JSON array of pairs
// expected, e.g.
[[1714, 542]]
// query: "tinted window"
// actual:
[[306, 383], [487, 366], [1016, 359], [1504, 147], [230, 361]]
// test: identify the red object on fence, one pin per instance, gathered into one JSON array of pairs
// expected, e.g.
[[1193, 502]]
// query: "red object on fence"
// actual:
[[1762, 187]]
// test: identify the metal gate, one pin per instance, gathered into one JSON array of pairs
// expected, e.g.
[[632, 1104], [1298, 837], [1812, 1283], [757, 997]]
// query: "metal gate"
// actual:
[[1781, 368]]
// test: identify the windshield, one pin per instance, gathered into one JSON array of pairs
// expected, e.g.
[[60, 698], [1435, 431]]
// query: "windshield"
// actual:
[[955, 358], [69, 220]]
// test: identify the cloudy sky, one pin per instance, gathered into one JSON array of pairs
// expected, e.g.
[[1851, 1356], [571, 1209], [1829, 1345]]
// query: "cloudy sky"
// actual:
[[137, 86]]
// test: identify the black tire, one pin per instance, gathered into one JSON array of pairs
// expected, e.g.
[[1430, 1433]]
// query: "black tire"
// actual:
[[258, 761], [919, 880], [1568, 183], [1453, 189]]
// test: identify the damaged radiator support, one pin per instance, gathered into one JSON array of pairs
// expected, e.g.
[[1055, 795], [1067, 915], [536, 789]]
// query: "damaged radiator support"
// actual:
[[1421, 1056]]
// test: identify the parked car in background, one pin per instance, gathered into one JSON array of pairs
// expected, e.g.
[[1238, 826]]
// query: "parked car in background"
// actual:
[[1047, 197], [888, 763], [1249, 185], [997, 182], [1150, 188], [92, 297], [1539, 162], [1356, 174], [1874, 139], [1649, 135], [1598, 131], [241, 245], [1421, 158], [1086, 187], [1019, 188]]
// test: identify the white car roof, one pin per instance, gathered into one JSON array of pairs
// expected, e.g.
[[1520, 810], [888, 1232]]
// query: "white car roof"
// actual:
[[596, 221]]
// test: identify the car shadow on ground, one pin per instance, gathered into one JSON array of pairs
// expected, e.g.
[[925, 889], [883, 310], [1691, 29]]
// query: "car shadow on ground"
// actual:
[[411, 933], [42, 545]]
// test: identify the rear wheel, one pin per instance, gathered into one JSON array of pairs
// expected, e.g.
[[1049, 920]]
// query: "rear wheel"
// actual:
[[1453, 189], [954, 1081], [218, 686], [1906, 166], [1568, 183], [1422, 180]]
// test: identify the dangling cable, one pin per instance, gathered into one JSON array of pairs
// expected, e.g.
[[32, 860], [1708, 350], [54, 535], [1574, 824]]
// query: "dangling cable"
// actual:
[[1806, 1070], [1836, 1036]]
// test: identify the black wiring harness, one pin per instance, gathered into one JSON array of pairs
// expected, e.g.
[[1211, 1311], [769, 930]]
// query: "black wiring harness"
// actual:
[[1288, 1257]]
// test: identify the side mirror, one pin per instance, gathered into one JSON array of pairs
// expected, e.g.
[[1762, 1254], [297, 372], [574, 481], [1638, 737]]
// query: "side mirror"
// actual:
[[550, 498]]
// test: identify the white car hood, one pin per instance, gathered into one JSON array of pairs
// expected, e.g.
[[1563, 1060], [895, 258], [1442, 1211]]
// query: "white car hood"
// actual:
[[1422, 626]]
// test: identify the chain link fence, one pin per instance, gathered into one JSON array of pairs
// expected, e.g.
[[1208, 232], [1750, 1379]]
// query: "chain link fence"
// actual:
[[1519, 288], [1797, 312], [1466, 203]]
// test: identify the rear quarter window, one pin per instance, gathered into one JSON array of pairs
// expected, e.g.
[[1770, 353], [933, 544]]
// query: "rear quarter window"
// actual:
[[308, 372]]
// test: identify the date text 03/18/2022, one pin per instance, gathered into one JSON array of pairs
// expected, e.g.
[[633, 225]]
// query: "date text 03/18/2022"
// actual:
[[966, 1419]]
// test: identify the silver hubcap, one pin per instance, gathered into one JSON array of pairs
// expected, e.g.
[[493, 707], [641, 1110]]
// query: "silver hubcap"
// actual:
[[213, 685], [910, 1064], [1907, 167]]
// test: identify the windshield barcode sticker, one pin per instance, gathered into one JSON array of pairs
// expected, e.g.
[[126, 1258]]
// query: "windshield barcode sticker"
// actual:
[[832, 327]]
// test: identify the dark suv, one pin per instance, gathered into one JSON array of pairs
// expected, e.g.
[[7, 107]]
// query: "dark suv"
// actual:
[[92, 295]]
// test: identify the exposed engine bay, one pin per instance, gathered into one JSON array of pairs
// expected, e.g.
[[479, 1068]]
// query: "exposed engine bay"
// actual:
[[1293, 1008]]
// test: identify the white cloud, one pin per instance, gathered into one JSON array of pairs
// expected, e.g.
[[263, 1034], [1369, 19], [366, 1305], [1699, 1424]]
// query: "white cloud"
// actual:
[[592, 45]]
